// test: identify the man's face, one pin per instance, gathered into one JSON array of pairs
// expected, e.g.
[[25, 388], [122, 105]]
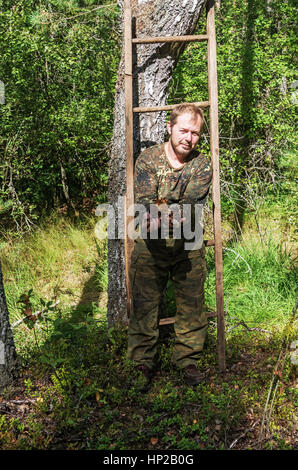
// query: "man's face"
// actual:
[[185, 134]]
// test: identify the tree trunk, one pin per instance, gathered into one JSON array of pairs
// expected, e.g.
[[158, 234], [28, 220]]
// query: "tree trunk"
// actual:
[[153, 67], [8, 359]]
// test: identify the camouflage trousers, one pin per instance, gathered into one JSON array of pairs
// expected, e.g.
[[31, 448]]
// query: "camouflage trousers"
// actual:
[[153, 262]]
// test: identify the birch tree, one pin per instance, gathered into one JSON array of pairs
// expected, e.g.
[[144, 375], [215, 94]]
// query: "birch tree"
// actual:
[[8, 361], [153, 67]]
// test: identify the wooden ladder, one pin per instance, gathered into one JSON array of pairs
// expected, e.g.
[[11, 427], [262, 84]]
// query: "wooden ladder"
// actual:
[[212, 103]]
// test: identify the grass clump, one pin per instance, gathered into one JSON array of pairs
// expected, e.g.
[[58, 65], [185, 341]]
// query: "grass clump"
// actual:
[[259, 283]]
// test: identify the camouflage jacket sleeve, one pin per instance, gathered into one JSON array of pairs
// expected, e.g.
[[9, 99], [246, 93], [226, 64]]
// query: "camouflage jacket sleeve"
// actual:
[[145, 181], [199, 183]]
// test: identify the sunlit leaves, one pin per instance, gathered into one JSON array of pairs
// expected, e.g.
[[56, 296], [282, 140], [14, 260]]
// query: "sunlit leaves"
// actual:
[[58, 62]]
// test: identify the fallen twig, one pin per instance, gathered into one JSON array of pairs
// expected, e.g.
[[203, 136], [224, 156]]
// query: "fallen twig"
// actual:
[[242, 323], [239, 256], [244, 434], [17, 402], [35, 314]]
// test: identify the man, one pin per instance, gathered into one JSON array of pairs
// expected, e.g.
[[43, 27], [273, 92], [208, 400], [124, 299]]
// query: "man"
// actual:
[[174, 173]]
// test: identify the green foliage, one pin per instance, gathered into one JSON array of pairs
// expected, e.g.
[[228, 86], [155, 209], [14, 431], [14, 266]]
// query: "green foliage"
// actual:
[[256, 49], [58, 62]]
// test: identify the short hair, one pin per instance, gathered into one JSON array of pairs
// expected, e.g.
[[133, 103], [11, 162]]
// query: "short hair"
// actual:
[[183, 109]]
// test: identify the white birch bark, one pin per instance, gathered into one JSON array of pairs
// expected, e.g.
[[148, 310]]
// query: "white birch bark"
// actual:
[[8, 361]]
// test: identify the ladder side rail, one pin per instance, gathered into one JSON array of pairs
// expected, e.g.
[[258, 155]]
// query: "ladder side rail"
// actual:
[[214, 147]]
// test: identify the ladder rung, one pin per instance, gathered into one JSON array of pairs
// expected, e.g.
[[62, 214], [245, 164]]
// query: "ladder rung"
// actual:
[[170, 320], [209, 242], [151, 109], [148, 40]]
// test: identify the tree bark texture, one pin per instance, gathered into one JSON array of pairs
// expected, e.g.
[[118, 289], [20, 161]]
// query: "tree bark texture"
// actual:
[[8, 360], [153, 65]]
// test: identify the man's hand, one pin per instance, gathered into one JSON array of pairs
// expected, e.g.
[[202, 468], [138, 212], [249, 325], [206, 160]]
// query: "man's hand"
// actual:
[[150, 222], [165, 216]]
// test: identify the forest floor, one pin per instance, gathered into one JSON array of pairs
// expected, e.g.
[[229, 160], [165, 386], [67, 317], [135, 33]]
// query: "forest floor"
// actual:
[[75, 389], [250, 406]]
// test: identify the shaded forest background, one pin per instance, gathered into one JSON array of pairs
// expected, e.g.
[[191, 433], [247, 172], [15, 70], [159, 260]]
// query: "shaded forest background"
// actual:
[[75, 389]]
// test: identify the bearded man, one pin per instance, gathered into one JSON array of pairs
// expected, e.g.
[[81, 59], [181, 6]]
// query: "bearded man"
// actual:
[[176, 175]]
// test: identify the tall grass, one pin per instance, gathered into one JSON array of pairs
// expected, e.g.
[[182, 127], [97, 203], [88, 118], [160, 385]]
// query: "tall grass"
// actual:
[[259, 282], [55, 261], [60, 259]]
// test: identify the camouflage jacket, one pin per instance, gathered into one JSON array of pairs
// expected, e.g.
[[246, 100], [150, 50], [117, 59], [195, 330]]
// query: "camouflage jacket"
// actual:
[[157, 183], [155, 179]]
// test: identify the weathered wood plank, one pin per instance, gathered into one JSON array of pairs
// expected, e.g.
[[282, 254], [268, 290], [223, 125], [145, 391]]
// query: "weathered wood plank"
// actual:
[[214, 146]]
